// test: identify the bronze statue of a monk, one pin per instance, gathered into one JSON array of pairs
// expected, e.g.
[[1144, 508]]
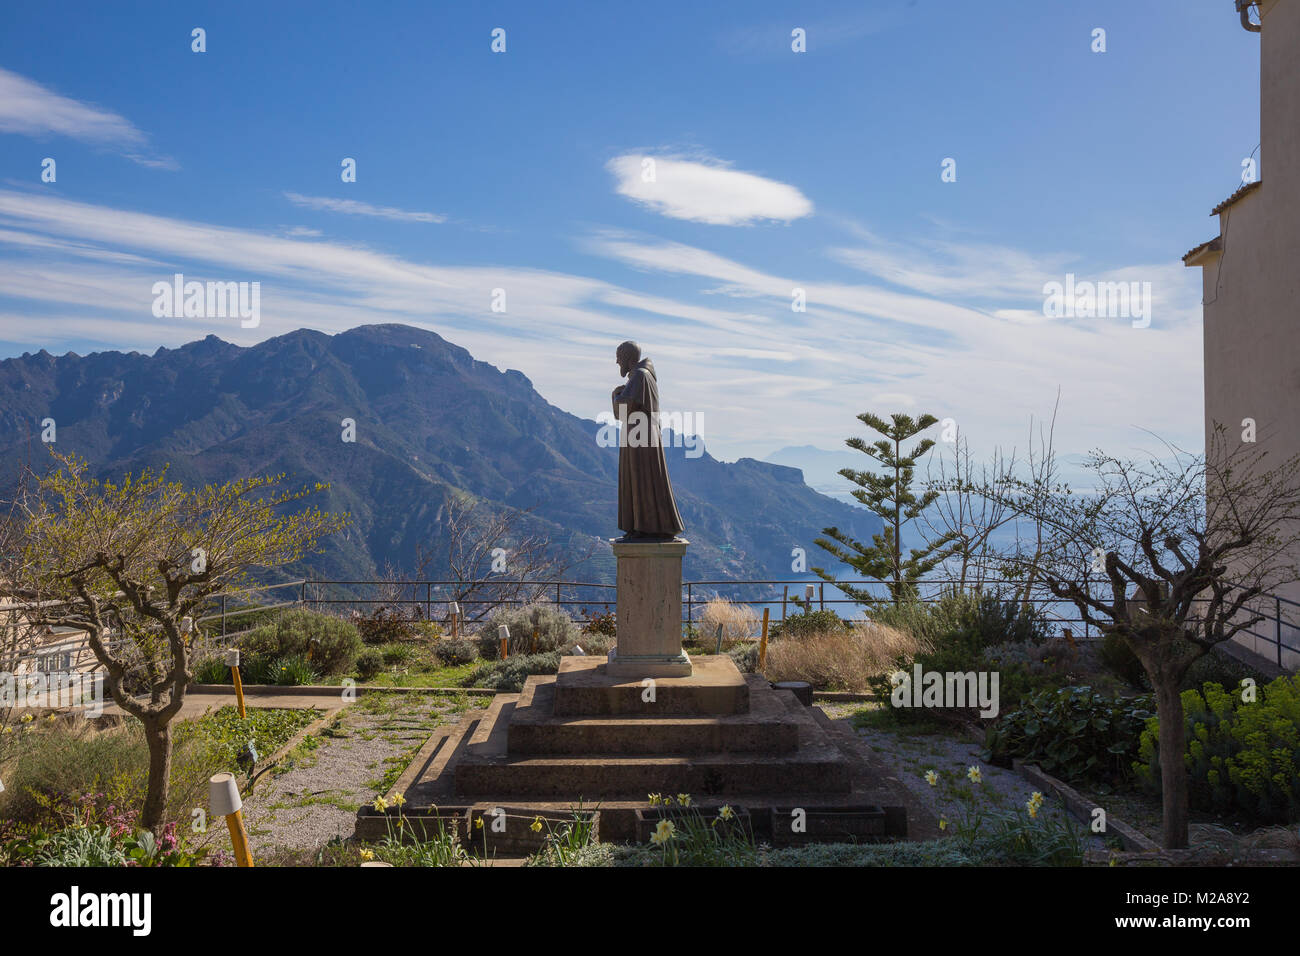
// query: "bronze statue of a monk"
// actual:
[[646, 508]]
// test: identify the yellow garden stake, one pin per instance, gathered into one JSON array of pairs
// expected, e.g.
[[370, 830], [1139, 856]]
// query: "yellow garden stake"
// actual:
[[232, 659], [762, 644], [503, 632], [455, 619], [224, 801], [534, 648]]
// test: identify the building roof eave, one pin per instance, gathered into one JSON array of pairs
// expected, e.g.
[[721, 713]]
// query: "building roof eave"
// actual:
[[1204, 252]]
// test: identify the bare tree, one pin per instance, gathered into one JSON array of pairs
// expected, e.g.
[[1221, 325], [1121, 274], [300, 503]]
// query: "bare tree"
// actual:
[[495, 555], [1193, 569], [963, 514]]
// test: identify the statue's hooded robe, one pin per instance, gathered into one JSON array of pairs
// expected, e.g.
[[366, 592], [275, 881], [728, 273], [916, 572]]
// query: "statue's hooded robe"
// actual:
[[645, 495]]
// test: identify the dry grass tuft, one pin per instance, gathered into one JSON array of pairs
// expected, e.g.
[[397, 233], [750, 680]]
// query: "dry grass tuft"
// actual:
[[841, 660], [740, 623]]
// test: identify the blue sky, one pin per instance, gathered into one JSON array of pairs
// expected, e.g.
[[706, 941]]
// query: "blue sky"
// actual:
[[775, 170]]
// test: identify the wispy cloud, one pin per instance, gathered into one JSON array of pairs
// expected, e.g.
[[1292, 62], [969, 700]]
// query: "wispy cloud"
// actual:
[[762, 375], [353, 207], [709, 192], [30, 109]]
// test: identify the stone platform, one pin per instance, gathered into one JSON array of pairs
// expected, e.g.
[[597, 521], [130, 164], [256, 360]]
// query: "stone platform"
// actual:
[[602, 740]]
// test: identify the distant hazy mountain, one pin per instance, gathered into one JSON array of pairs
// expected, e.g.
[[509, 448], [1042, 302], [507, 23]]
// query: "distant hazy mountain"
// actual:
[[429, 418], [821, 467]]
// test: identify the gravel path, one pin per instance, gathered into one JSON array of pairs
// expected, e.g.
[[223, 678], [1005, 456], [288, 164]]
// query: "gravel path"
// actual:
[[313, 796], [912, 754]]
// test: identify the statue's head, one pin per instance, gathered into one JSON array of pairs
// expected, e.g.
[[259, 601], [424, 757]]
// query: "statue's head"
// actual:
[[628, 354]]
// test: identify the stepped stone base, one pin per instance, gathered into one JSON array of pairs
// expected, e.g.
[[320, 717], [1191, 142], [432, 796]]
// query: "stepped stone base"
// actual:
[[588, 737]]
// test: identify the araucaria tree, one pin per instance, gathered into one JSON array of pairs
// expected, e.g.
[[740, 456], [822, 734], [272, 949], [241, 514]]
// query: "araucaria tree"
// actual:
[[1170, 556], [129, 563], [890, 496]]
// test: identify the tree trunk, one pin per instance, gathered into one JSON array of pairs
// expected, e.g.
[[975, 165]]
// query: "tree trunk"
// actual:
[[1173, 767], [158, 736]]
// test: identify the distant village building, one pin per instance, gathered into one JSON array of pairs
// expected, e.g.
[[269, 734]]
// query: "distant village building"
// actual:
[[1252, 284]]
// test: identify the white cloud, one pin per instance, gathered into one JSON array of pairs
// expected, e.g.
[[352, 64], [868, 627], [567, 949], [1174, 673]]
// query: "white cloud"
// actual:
[[30, 109], [762, 375], [352, 207], [708, 192]]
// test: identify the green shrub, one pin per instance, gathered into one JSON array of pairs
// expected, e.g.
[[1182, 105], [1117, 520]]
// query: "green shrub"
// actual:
[[605, 624], [960, 629], [454, 651], [212, 670], [745, 656], [1241, 757], [811, 622], [1218, 667], [1118, 658], [77, 846], [556, 631], [293, 670], [329, 643], [508, 675], [369, 663], [397, 654], [1073, 733], [384, 625]]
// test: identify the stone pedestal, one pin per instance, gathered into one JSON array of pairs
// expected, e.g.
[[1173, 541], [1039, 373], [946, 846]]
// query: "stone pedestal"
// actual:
[[649, 610]]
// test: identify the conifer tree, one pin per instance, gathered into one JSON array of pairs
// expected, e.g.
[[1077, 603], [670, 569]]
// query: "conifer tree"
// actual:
[[890, 496]]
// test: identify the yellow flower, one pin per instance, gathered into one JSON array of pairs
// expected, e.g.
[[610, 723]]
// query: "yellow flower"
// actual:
[[27, 718], [381, 804], [668, 801], [663, 833], [367, 855], [931, 777], [478, 823], [399, 800], [684, 799], [726, 812], [1036, 798], [1033, 810], [943, 823], [536, 825], [974, 774], [655, 799]]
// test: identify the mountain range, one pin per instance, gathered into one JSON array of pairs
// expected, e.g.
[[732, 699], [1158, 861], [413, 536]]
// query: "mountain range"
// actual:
[[430, 421]]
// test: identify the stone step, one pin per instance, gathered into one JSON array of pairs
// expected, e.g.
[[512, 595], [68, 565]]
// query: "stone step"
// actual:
[[583, 688], [534, 728], [487, 767]]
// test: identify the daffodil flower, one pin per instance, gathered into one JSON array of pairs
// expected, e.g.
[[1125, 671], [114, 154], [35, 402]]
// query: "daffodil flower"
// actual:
[[478, 824], [367, 855], [684, 799], [726, 812], [536, 825], [931, 777], [381, 804], [974, 774], [663, 833], [943, 823], [399, 800]]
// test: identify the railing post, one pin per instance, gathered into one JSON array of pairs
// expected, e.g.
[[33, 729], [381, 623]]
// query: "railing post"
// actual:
[[428, 600], [1278, 599]]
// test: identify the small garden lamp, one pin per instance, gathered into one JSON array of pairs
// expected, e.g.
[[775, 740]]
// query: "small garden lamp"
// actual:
[[503, 632], [232, 661], [224, 801]]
